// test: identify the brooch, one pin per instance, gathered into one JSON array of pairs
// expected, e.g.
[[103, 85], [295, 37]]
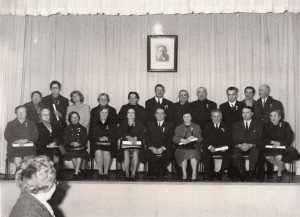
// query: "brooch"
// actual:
[[223, 129], [163, 129], [57, 102], [166, 107], [26, 124], [107, 127], [236, 107], [280, 124], [254, 131], [78, 129], [206, 105]]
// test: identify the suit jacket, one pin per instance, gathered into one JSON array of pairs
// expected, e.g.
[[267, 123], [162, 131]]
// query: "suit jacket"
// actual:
[[182, 132], [152, 105], [136, 130], [28, 206], [178, 110], [253, 103], [280, 133], [140, 113], [202, 111], [61, 105], [232, 115], [159, 136], [263, 113], [112, 114], [75, 133], [253, 136], [216, 137]]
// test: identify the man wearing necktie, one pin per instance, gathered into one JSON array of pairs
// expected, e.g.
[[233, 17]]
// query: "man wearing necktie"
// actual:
[[158, 101], [262, 109], [216, 135], [246, 141]]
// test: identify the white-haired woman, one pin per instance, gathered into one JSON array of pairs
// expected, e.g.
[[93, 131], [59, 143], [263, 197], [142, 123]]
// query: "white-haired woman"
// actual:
[[36, 178]]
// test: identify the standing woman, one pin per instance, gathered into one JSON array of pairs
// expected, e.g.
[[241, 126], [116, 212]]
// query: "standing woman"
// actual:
[[130, 130], [133, 98], [103, 100], [18, 133], [187, 137], [276, 133], [103, 137], [78, 106], [34, 106], [49, 137], [75, 142]]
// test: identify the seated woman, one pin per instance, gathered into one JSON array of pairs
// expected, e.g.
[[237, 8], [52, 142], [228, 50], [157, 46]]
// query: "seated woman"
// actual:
[[78, 106], [37, 180], [20, 134], [103, 100], [34, 107], [103, 137], [133, 98], [49, 138], [75, 141], [187, 137], [276, 133], [133, 131]]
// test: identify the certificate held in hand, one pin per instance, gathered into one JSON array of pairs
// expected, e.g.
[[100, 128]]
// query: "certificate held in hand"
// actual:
[[128, 144]]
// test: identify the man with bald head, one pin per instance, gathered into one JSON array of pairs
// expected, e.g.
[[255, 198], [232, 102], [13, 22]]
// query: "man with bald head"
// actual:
[[202, 108], [180, 108]]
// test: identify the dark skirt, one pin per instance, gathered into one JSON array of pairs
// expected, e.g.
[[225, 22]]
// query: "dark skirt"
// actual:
[[112, 149], [50, 152], [274, 152], [182, 154], [71, 154], [13, 152]]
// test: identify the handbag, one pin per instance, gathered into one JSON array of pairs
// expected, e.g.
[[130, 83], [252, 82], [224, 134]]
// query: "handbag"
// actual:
[[291, 155]]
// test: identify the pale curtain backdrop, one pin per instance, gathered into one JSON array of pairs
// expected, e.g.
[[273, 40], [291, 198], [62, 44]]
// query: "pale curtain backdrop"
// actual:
[[142, 7], [101, 53]]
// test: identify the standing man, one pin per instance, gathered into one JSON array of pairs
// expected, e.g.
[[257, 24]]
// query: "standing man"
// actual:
[[159, 136], [180, 108], [202, 108], [59, 102], [246, 141], [158, 101], [232, 109]]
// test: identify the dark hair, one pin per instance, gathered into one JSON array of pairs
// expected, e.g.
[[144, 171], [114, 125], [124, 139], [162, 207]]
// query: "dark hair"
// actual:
[[79, 94], [160, 107], [103, 94], [159, 85], [70, 116], [279, 112], [20, 106], [251, 88], [249, 107], [216, 111], [232, 88], [103, 107], [135, 93], [55, 82], [36, 92]]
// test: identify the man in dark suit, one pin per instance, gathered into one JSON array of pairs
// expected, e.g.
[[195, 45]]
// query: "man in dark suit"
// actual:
[[262, 110], [158, 101], [61, 103], [159, 143], [202, 108], [216, 135], [180, 108], [246, 141], [232, 109]]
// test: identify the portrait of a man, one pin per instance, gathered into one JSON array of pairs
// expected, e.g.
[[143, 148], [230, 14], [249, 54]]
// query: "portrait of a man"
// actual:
[[162, 53]]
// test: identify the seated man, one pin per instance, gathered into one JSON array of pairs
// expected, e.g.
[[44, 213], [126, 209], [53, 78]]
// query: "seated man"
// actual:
[[246, 141], [159, 143], [216, 135]]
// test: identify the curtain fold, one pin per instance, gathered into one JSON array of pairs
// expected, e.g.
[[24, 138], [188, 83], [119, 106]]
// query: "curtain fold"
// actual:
[[99, 53], [142, 7]]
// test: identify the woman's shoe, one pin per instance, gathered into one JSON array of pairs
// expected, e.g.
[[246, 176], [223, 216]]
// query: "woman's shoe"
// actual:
[[105, 177], [127, 179], [100, 177], [133, 179], [75, 177], [279, 178]]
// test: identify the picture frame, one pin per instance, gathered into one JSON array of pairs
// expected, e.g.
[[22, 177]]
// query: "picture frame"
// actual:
[[162, 51]]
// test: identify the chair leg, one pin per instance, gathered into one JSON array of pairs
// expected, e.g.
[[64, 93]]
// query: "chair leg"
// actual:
[[92, 168], [6, 169], [293, 170]]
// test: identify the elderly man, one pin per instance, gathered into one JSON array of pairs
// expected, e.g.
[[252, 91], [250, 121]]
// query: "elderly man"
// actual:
[[202, 108], [249, 96], [181, 107], [158, 101], [232, 109], [246, 141], [216, 135]]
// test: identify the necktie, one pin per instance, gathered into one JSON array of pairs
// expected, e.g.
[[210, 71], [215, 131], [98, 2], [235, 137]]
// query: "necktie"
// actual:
[[247, 127], [264, 102], [231, 105], [158, 101], [217, 126], [159, 124]]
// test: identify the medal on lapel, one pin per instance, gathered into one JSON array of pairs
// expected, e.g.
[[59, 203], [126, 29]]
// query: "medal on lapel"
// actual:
[[26, 124], [236, 107], [207, 106], [166, 107], [163, 129], [107, 127]]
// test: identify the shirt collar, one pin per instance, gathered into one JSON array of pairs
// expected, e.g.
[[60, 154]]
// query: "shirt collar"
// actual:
[[160, 122], [232, 103], [249, 122], [156, 99]]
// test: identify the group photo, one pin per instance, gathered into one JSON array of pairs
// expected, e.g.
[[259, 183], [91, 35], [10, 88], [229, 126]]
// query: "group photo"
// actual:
[[141, 108]]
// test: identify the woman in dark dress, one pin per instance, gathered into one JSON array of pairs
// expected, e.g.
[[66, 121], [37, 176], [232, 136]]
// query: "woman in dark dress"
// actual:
[[103, 137], [276, 133], [49, 137], [133, 131], [103, 100], [75, 142], [133, 98], [34, 106], [187, 137], [20, 134]]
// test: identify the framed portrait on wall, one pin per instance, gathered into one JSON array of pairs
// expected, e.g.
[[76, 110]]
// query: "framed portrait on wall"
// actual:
[[162, 53]]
